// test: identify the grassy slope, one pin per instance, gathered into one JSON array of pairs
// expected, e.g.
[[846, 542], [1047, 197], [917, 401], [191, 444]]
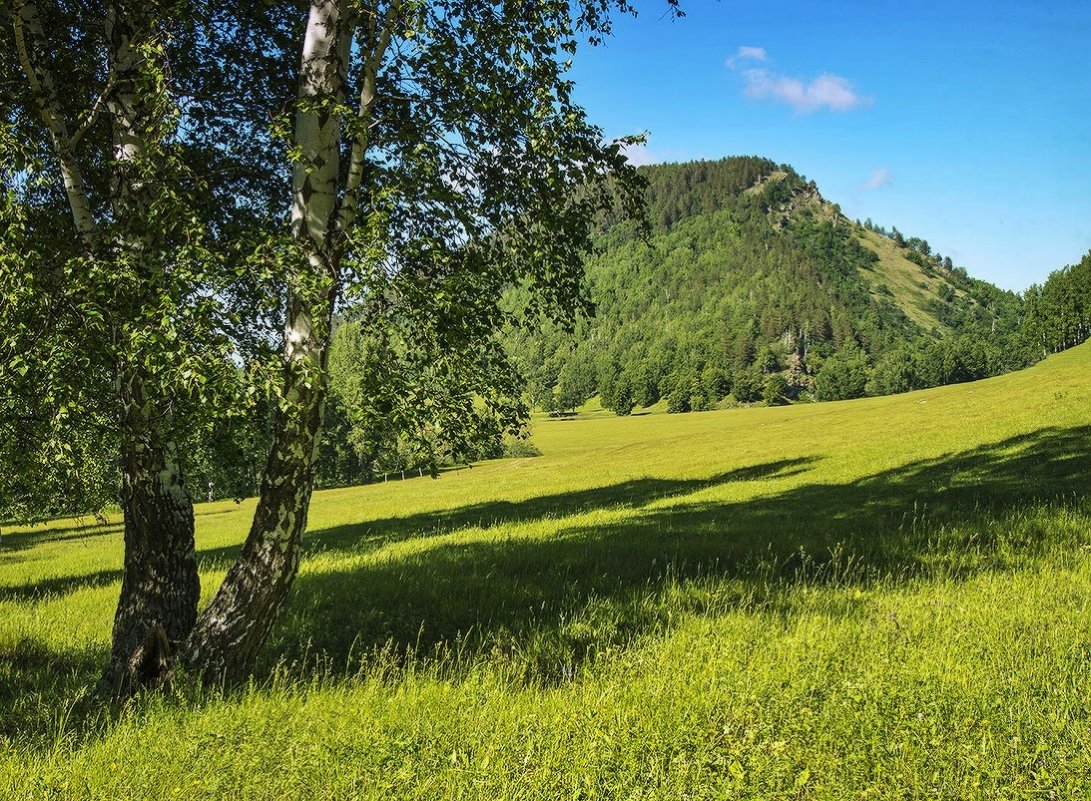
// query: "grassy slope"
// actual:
[[912, 289], [884, 598]]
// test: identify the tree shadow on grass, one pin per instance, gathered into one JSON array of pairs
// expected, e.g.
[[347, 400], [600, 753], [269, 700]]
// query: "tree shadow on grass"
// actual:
[[359, 537], [31, 672], [549, 606], [61, 585], [36, 683], [365, 536], [29, 538], [77, 529], [555, 602]]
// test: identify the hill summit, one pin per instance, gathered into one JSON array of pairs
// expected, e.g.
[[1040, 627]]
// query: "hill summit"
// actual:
[[753, 287]]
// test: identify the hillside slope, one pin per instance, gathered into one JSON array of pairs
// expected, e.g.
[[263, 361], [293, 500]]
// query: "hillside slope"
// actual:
[[749, 283], [882, 598], [914, 292]]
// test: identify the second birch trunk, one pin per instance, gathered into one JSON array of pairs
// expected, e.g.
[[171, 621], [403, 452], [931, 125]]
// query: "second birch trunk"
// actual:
[[231, 630]]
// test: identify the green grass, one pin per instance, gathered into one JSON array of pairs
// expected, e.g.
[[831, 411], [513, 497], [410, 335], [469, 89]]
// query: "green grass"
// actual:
[[884, 598], [911, 289]]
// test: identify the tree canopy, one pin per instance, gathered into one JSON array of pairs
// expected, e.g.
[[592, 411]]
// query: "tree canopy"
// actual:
[[197, 189], [749, 288]]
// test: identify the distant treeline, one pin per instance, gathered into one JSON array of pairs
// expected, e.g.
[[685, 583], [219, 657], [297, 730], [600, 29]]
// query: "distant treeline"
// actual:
[[752, 289]]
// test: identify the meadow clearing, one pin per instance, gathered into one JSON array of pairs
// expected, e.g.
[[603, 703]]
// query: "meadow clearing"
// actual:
[[882, 598]]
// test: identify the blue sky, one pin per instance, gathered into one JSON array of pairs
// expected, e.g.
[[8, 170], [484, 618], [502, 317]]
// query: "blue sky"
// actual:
[[965, 123]]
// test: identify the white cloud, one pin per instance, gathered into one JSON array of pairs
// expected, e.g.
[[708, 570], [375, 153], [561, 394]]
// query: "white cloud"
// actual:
[[639, 155], [826, 91], [879, 178], [746, 53]]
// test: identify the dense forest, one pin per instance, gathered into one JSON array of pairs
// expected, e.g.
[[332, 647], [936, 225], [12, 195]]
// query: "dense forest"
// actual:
[[751, 288], [1058, 313]]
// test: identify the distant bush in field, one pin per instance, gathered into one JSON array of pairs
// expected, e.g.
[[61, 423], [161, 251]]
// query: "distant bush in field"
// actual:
[[514, 448]]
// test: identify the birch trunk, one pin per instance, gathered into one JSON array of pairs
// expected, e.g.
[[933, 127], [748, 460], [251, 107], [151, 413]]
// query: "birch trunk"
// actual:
[[161, 585], [231, 630], [234, 626]]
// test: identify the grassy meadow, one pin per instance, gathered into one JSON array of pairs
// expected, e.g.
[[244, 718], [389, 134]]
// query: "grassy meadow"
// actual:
[[885, 598]]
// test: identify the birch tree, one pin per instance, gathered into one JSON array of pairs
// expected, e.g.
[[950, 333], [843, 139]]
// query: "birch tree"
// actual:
[[436, 159], [469, 169], [160, 584], [115, 325]]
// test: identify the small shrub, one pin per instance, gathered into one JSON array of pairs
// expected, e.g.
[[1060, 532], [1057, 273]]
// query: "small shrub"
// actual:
[[516, 448]]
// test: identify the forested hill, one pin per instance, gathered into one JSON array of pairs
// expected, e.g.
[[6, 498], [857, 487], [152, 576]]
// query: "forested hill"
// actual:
[[752, 287]]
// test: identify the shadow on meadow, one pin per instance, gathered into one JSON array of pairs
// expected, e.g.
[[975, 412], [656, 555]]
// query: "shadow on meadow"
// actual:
[[36, 683], [34, 678], [551, 604], [547, 606], [78, 530], [626, 494], [59, 586], [377, 533]]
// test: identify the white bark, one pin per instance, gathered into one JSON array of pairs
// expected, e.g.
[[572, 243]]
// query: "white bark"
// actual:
[[27, 25], [365, 111], [233, 627], [322, 79], [128, 112]]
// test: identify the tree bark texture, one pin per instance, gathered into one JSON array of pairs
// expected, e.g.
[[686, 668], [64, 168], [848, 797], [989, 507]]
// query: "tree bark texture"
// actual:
[[31, 47], [234, 626], [231, 630], [161, 585], [160, 588]]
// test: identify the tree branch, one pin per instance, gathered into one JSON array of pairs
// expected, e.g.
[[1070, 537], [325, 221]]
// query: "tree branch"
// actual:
[[92, 114], [351, 198], [24, 20]]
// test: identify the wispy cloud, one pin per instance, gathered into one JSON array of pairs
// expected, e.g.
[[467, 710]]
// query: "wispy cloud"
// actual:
[[639, 155], [878, 178], [827, 91], [746, 53]]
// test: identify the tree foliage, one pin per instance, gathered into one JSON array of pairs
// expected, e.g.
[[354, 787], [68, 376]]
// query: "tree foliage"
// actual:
[[123, 251], [748, 274], [1059, 311], [426, 157]]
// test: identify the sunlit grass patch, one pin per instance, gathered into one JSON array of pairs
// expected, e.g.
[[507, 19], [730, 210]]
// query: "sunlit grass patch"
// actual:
[[885, 598]]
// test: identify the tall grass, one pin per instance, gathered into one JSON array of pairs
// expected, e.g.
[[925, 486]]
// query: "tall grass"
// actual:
[[886, 598]]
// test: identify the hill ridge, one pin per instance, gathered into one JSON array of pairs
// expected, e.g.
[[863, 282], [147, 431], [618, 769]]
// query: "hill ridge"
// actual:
[[750, 287]]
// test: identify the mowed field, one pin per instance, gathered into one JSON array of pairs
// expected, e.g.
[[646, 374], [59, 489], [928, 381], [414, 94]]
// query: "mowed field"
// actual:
[[883, 598]]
